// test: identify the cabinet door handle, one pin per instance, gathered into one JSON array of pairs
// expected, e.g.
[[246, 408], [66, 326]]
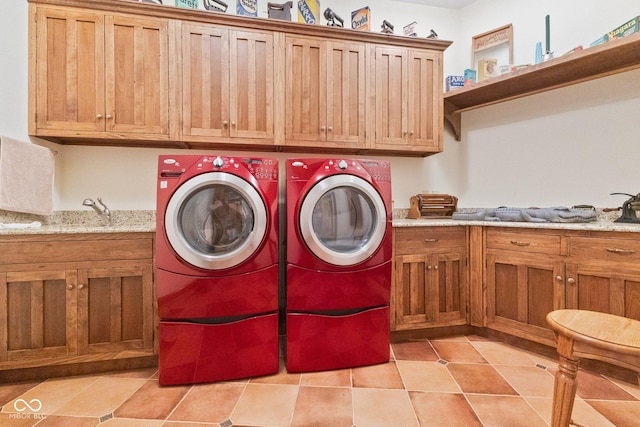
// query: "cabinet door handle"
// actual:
[[559, 278], [571, 280], [431, 240], [225, 123], [428, 267], [70, 287], [80, 286], [519, 243], [621, 251], [435, 267], [330, 128], [109, 116], [98, 116]]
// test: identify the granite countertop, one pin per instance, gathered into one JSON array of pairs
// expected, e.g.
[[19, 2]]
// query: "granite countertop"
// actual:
[[77, 222], [144, 221], [604, 222]]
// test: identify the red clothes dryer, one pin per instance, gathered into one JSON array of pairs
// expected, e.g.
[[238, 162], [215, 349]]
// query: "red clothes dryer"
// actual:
[[216, 267], [338, 274]]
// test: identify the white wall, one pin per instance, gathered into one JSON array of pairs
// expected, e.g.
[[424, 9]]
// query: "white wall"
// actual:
[[570, 146], [573, 145]]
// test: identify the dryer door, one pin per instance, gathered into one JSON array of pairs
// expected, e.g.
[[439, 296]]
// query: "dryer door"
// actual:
[[343, 220], [216, 220]]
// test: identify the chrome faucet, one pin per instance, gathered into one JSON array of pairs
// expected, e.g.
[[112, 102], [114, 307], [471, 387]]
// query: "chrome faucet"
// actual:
[[104, 213]]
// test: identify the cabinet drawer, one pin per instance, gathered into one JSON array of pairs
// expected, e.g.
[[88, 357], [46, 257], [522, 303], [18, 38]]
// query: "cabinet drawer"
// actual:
[[48, 251], [523, 242], [624, 250], [417, 240]]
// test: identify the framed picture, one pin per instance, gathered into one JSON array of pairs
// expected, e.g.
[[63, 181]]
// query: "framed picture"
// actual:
[[493, 45]]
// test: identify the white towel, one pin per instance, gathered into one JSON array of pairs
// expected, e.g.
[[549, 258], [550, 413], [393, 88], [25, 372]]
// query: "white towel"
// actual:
[[26, 177]]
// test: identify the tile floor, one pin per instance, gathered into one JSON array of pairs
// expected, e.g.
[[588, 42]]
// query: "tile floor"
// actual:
[[459, 381]]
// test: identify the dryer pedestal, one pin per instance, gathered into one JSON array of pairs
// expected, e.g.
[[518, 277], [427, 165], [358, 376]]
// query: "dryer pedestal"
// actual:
[[200, 352], [317, 342]]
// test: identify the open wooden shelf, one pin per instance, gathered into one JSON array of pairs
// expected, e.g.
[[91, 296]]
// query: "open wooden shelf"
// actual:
[[614, 57]]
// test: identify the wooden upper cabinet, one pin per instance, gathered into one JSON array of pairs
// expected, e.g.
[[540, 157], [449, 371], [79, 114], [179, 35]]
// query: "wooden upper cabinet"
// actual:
[[325, 93], [123, 73], [407, 99], [70, 71], [137, 75], [227, 84], [101, 75]]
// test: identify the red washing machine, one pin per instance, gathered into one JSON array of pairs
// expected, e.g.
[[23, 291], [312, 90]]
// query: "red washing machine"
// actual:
[[338, 279], [216, 267]]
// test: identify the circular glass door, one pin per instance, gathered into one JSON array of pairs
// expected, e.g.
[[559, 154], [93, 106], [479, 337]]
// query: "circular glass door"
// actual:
[[215, 221], [343, 220]]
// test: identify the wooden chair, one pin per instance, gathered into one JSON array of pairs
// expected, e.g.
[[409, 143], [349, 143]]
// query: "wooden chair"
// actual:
[[589, 335]]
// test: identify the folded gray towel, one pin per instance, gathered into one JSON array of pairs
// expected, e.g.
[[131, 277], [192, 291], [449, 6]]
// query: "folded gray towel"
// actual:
[[553, 214]]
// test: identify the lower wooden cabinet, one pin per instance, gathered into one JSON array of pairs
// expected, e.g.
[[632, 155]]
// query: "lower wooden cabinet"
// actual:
[[75, 298], [521, 290], [530, 272], [430, 282]]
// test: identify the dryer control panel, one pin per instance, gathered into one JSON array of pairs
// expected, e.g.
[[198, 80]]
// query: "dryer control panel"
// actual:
[[260, 168]]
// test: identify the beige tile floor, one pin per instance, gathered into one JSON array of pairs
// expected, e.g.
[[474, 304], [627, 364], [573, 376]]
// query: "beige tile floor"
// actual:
[[458, 381]]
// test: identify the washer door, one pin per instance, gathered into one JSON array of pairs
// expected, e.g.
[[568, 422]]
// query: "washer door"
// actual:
[[343, 220], [215, 220]]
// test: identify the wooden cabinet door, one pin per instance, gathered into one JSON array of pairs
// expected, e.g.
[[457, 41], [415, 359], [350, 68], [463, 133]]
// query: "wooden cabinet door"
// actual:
[[137, 75], [521, 290], [449, 274], [306, 83], [115, 308], [205, 81], [391, 96], [430, 290], [38, 315], [252, 89], [423, 92], [415, 295], [69, 72], [346, 95], [605, 288]]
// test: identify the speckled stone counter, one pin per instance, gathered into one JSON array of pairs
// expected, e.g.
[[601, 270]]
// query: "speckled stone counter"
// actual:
[[604, 222], [70, 222]]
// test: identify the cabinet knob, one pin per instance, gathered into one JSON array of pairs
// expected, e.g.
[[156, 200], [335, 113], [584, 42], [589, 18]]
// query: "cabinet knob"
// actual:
[[322, 128], [70, 287], [330, 128], [225, 123], [109, 116], [80, 286], [571, 280], [559, 278], [98, 116], [428, 267], [411, 133], [435, 267], [233, 124]]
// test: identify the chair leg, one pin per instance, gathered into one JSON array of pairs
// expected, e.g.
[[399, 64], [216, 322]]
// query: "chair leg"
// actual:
[[564, 392]]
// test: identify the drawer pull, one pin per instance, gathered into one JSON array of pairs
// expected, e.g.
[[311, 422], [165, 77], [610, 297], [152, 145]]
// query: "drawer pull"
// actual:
[[621, 251], [519, 243], [431, 240]]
